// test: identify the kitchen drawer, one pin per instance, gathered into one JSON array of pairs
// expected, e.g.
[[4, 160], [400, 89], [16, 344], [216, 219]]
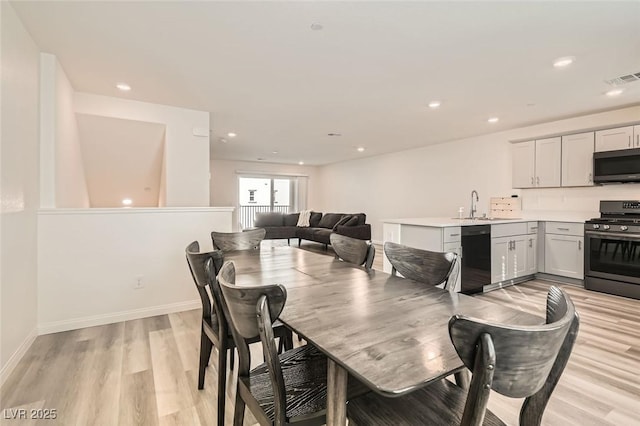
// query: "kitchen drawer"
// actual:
[[532, 227], [452, 234], [508, 229], [565, 228]]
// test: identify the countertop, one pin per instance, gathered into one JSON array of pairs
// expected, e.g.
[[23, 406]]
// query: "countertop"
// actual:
[[443, 222]]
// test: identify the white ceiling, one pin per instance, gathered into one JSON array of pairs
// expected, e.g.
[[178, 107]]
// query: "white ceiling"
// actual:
[[122, 159], [261, 71]]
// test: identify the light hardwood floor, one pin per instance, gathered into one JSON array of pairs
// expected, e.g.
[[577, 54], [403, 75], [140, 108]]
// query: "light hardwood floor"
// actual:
[[144, 372]]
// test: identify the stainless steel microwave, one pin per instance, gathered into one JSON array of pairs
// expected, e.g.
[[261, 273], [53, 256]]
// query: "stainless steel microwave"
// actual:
[[617, 166]]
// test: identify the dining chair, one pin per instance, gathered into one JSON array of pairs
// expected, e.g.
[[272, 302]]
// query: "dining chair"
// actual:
[[425, 266], [214, 330], [353, 250], [230, 241], [288, 388], [515, 361]]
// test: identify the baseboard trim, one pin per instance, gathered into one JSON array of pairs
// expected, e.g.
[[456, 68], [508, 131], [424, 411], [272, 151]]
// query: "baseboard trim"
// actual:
[[92, 321], [13, 361]]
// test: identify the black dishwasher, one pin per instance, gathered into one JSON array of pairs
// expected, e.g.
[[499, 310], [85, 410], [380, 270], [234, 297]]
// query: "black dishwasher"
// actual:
[[476, 258]]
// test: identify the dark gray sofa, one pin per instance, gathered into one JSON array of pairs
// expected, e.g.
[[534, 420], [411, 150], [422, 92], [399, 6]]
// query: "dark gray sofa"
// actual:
[[279, 225]]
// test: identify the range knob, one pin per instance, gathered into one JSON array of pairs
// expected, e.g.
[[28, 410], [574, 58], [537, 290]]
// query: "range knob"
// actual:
[[596, 226], [605, 227], [624, 228]]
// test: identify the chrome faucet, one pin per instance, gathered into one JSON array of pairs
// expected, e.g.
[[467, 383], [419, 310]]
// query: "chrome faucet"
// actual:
[[472, 214]]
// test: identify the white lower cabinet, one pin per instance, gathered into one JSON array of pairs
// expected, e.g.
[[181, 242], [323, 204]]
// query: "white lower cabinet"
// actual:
[[509, 258], [532, 254], [564, 255]]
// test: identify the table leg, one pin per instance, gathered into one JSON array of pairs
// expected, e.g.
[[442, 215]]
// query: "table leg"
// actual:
[[336, 394]]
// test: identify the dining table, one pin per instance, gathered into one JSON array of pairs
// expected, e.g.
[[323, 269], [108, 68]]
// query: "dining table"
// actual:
[[388, 332]]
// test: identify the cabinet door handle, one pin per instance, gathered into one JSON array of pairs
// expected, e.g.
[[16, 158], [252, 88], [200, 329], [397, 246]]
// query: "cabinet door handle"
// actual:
[[531, 242], [590, 177], [454, 235], [629, 141], [579, 245], [563, 229], [531, 180], [538, 180], [637, 140]]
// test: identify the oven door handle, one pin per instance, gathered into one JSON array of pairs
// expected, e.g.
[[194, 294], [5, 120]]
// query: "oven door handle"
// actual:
[[611, 235]]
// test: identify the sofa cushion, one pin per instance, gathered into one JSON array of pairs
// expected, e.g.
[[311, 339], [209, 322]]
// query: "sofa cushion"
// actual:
[[314, 220], [362, 218], [343, 221], [291, 219], [276, 232], [329, 220], [322, 235], [305, 232], [264, 219], [352, 221]]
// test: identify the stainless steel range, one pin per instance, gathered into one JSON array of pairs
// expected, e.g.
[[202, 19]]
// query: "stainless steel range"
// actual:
[[612, 249]]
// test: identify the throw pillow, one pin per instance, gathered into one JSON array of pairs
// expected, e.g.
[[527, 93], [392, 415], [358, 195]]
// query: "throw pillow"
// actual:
[[353, 221], [342, 221], [329, 220]]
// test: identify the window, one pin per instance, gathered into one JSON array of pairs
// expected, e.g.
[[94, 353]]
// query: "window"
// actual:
[[283, 194]]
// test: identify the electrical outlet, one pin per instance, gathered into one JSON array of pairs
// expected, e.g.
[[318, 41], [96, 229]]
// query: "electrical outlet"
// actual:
[[138, 283]]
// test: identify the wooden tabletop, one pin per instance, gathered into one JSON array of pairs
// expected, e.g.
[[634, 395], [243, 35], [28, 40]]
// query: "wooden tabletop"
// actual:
[[389, 332]]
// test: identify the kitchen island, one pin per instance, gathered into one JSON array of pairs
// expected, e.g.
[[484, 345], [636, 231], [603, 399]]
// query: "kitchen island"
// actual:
[[545, 244]]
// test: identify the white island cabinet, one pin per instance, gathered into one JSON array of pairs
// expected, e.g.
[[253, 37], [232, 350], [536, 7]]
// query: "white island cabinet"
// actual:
[[432, 238]]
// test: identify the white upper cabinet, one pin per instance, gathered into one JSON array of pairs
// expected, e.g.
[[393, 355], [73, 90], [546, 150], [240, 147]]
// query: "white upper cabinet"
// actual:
[[536, 163], [547, 163], [523, 164], [577, 159], [614, 139]]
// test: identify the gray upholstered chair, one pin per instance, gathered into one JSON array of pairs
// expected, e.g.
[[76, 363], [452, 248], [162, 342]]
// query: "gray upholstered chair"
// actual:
[[353, 250], [515, 361], [287, 388], [214, 329], [425, 266], [230, 241]]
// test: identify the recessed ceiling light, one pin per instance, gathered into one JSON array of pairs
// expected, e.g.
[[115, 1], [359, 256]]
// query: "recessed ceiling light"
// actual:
[[223, 140], [232, 135], [563, 62], [434, 104], [301, 163], [360, 149], [614, 92], [274, 152], [123, 86], [127, 201], [493, 120], [316, 26]]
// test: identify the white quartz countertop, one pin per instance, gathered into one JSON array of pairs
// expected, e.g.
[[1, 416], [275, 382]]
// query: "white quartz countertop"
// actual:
[[443, 222]]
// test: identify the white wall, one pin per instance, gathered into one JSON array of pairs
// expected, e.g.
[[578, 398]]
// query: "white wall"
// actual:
[[71, 184], [436, 180], [62, 180], [224, 180], [90, 259], [18, 190], [186, 168]]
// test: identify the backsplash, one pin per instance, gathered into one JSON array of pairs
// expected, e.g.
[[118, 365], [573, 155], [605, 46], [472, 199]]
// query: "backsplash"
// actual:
[[576, 199]]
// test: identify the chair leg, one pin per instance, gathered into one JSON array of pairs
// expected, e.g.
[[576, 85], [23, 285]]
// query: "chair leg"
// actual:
[[288, 241], [288, 343], [205, 354], [299, 241], [232, 355], [238, 413], [222, 383]]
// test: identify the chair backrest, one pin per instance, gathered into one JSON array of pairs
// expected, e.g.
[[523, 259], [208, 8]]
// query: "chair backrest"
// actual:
[[516, 361], [353, 250], [252, 311], [205, 279], [230, 241], [429, 267]]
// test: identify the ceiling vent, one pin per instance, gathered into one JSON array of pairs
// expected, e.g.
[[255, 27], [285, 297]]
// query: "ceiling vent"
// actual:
[[625, 79]]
